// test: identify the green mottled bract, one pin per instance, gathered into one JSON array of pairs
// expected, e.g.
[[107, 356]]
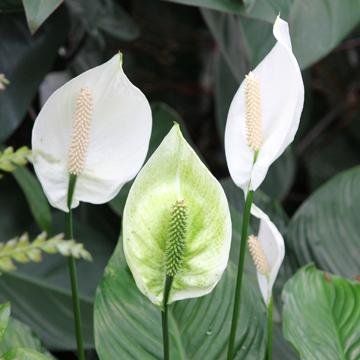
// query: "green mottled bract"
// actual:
[[191, 242], [175, 245]]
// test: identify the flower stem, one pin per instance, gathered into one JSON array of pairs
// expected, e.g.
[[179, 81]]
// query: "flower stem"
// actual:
[[269, 328], [240, 271], [164, 317], [72, 272]]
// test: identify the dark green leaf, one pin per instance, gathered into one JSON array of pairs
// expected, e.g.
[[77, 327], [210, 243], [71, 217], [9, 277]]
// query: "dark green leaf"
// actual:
[[325, 228], [37, 11], [321, 315], [18, 56], [37, 201]]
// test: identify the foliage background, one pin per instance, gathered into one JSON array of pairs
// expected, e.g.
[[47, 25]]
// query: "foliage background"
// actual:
[[188, 60]]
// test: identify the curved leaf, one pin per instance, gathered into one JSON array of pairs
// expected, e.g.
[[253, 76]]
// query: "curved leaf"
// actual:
[[24, 354], [321, 315], [325, 228], [127, 324], [35, 197]]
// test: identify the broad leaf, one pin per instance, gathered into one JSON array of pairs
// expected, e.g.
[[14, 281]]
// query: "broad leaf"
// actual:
[[321, 315], [325, 228], [35, 197], [128, 324], [37, 11]]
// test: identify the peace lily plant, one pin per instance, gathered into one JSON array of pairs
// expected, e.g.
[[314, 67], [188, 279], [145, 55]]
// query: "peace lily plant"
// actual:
[[89, 139], [262, 121], [176, 227]]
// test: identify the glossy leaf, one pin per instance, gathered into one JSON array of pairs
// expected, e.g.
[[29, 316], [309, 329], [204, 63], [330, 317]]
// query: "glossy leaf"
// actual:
[[321, 315], [37, 11], [325, 228], [127, 324], [35, 197]]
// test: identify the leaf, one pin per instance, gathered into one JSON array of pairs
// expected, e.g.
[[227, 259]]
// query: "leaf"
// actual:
[[105, 16], [24, 354], [163, 120], [330, 20], [321, 315], [4, 319], [126, 323], [35, 197], [325, 228], [44, 288], [19, 335], [37, 11], [318, 26], [25, 51]]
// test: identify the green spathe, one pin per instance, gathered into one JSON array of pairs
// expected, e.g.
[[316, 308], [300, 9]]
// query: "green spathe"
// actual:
[[175, 173]]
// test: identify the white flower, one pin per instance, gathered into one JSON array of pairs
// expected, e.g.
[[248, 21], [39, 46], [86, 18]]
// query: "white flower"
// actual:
[[97, 127], [268, 251], [265, 113], [3, 81]]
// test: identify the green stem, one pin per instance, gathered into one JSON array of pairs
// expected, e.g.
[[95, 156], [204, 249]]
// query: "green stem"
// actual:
[[164, 317], [270, 328], [240, 271], [72, 272]]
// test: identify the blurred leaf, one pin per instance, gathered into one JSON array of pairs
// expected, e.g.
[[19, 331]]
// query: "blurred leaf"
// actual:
[[35, 197], [4, 319], [11, 5], [318, 26], [324, 22], [321, 315], [325, 229], [327, 159], [24, 354], [281, 176], [19, 335], [37, 11], [126, 322], [282, 350], [18, 54], [105, 16], [44, 288], [163, 120]]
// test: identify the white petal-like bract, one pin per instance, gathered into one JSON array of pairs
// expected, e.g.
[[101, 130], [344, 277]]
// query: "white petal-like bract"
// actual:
[[119, 128], [175, 175], [272, 244], [281, 101]]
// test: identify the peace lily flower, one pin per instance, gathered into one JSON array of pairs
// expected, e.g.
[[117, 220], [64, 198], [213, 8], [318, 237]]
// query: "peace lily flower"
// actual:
[[267, 250], [265, 113], [97, 127], [176, 224]]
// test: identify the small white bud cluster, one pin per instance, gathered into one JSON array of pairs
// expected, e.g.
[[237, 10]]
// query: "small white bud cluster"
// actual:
[[258, 255]]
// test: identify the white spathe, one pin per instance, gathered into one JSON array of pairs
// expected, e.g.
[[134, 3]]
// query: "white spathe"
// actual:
[[282, 98], [272, 243], [119, 137]]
